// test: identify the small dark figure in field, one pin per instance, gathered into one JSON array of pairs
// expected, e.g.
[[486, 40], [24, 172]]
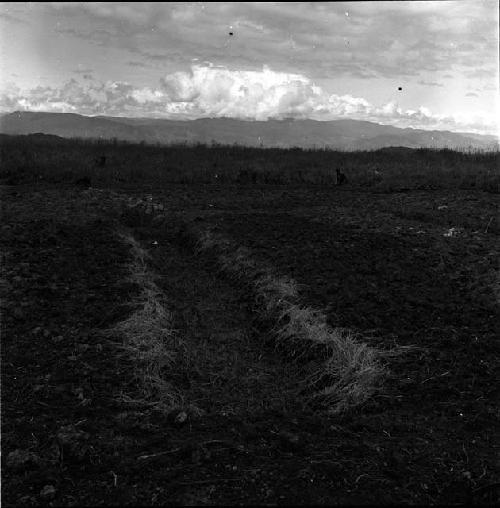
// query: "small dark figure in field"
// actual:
[[341, 178], [101, 161], [84, 182]]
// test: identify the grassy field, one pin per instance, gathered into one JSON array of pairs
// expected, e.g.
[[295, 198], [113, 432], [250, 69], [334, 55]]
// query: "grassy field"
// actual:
[[219, 325], [53, 159]]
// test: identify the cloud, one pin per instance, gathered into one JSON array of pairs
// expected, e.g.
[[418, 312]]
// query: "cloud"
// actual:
[[484, 73], [137, 64], [13, 19], [70, 31], [260, 95], [131, 12], [214, 91], [429, 83], [91, 98], [82, 70], [490, 86], [384, 39], [97, 36]]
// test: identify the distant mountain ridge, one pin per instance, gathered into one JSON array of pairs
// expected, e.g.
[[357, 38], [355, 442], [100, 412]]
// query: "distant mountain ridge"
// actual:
[[336, 134]]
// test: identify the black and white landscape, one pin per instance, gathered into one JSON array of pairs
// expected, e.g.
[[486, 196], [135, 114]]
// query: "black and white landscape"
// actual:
[[249, 253]]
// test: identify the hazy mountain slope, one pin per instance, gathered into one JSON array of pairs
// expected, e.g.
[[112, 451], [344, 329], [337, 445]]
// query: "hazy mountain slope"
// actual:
[[66, 125], [342, 134]]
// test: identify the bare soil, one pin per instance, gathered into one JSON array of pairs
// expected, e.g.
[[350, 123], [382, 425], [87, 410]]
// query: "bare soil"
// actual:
[[388, 266]]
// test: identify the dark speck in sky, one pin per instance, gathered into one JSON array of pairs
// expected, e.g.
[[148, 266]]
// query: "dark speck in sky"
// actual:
[[399, 88]]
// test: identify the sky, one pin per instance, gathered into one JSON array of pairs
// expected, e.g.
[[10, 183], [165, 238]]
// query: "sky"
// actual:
[[420, 64]]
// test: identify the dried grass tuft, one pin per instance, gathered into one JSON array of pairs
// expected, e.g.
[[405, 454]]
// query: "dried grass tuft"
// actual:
[[347, 371], [148, 337]]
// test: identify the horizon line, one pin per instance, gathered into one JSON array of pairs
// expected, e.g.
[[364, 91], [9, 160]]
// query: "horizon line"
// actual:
[[276, 119]]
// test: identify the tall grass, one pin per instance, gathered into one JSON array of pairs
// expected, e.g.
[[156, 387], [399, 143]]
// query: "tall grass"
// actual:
[[48, 158]]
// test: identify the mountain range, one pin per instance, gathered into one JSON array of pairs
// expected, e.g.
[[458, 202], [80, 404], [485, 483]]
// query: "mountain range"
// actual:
[[336, 134]]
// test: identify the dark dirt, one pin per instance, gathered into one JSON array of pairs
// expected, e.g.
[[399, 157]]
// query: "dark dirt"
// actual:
[[380, 264], [227, 372]]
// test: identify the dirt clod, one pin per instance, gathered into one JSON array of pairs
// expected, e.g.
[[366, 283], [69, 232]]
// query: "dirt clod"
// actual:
[[48, 492], [20, 460]]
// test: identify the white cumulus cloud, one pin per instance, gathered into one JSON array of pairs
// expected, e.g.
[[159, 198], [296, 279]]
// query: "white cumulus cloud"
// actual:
[[253, 95], [212, 91], [259, 95]]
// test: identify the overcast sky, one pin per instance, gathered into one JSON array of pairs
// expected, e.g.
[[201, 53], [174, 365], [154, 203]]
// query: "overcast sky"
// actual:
[[305, 60]]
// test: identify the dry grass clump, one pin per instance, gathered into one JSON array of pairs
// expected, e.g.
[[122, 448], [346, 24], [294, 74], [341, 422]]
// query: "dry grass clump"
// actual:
[[346, 372], [148, 337]]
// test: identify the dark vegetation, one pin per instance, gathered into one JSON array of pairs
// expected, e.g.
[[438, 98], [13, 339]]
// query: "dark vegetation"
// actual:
[[53, 159], [415, 268]]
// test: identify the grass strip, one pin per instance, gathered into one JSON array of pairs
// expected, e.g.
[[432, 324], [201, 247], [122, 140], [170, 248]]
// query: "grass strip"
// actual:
[[148, 337], [347, 372]]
